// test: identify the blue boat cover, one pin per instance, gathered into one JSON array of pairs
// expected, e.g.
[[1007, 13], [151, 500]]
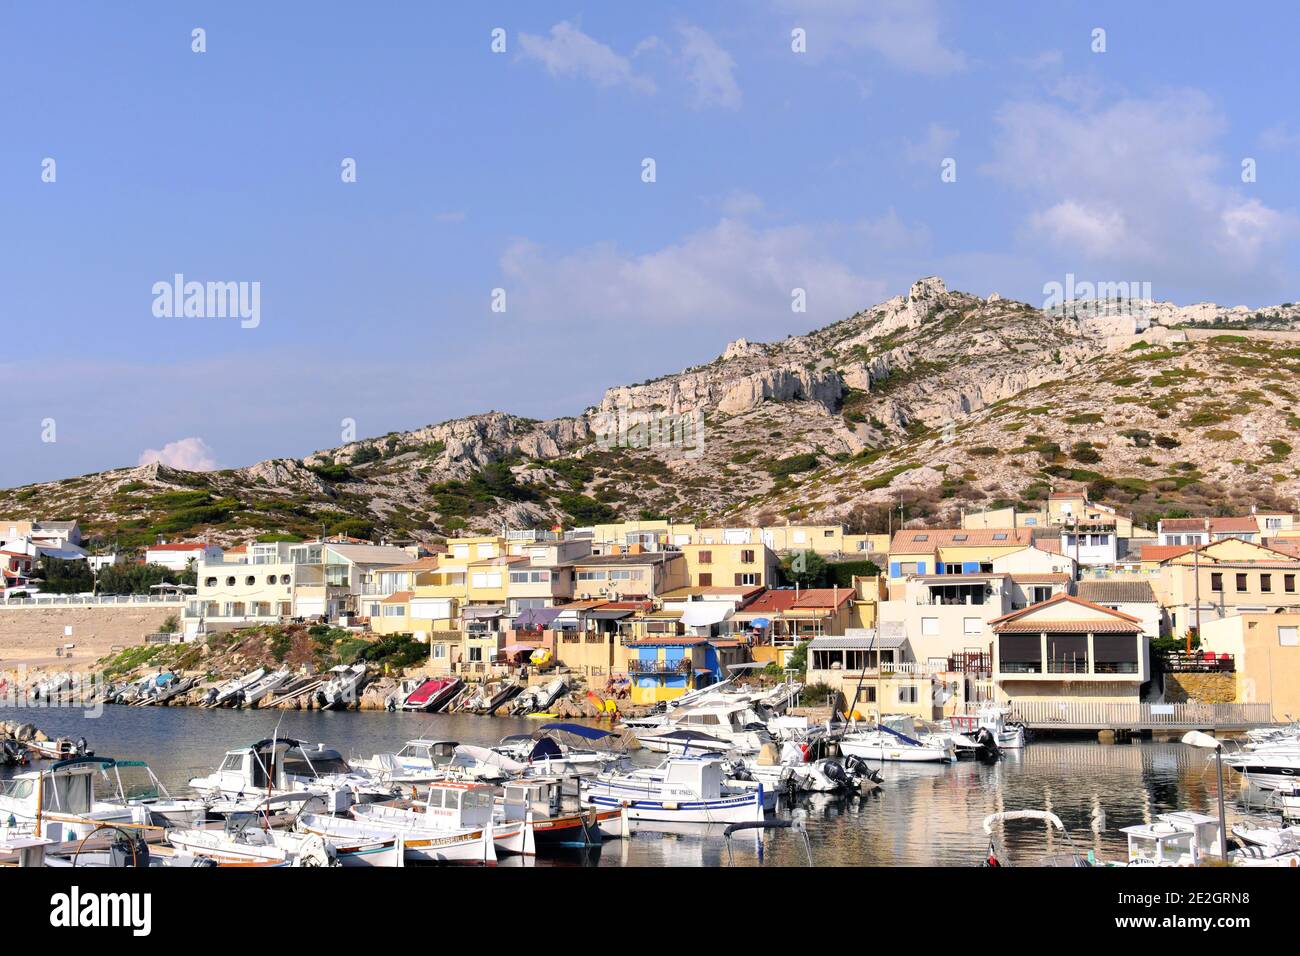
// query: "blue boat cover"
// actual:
[[578, 730], [546, 747], [903, 737]]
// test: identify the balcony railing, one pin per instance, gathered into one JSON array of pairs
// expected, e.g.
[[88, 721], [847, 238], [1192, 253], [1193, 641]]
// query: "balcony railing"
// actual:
[[1198, 662], [1021, 667], [682, 666], [1067, 666], [1115, 667]]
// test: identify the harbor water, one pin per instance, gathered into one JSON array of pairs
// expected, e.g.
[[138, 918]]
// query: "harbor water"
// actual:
[[923, 815]]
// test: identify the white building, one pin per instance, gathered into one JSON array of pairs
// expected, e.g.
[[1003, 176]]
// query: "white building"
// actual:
[[179, 556]]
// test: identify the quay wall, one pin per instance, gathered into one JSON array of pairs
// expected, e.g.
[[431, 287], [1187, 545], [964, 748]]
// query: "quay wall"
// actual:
[[29, 635], [1202, 688]]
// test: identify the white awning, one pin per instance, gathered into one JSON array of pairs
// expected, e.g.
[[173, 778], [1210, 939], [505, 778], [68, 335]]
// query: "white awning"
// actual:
[[705, 613]]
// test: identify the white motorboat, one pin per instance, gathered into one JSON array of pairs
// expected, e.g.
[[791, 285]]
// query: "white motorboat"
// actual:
[[538, 697], [733, 721], [682, 789], [228, 693], [455, 822], [280, 765], [246, 838], [131, 783], [340, 691], [58, 803], [547, 752], [1183, 838], [795, 772], [419, 761], [1008, 734], [52, 686], [1268, 767], [260, 688], [882, 742]]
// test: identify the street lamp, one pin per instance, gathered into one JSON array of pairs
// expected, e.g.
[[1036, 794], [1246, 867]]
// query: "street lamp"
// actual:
[[1194, 738]]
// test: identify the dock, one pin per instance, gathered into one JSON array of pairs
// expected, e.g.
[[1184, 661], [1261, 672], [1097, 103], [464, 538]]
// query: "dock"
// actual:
[[1130, 718]]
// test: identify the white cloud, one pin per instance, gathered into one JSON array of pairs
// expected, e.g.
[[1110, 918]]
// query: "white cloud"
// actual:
[[731, 275], [710, 69], [906, 33], [570, 52], [1280, 137], [190, 454], [1043, 60], [1138, 184]]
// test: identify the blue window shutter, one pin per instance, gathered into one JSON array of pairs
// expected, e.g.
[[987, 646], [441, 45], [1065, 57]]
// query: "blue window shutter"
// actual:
[[920, 567], [938, 568], [893, 569], [970, 567]]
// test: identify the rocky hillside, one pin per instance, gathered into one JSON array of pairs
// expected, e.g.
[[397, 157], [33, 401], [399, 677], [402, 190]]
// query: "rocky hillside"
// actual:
[[937, 400]]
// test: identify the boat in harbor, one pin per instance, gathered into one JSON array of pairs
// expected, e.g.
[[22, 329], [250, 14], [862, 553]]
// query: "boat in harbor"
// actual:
[[58, 803], [62, 748], [682, 789], [340, 691], [250, 694], [280, 765], [1269, 767], [882, 742], [454, 823], [248, 838], [432, 694], [732, 721], [490, 696]]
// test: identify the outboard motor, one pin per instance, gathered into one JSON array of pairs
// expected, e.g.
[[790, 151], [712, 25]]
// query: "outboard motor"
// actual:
[[128, 850], [857, 765], [835, 773], [83, 746], [988, 746]]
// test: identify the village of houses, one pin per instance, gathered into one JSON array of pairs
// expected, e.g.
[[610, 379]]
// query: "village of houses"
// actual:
[[1047, 611]]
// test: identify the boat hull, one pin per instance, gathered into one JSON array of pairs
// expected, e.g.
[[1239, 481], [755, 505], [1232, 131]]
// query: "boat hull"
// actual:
[[894, 753], [740, 808]]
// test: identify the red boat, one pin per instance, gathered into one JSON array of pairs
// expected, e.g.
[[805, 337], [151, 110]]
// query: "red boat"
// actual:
[[433, 695]]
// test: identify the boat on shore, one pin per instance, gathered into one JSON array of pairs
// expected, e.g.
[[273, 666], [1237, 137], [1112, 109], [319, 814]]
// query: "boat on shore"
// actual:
[[228, 693], [432, 694], [340, 691]]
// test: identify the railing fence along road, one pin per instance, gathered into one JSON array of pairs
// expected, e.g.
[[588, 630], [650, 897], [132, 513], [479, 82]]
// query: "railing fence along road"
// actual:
[[1090, 715], [64, 600]]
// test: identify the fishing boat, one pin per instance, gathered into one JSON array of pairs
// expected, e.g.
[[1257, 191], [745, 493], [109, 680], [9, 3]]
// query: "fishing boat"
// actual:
[[882, 742], [455, 822], [228, 693], [280, 765], [63, 748], [58, 803], [433, 694], [557, 825], [997, 855], [340, 691], [682, 789], [538, 697], [248, 838]]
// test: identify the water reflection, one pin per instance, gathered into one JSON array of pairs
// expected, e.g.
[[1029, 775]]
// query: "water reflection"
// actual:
[[923, 814]]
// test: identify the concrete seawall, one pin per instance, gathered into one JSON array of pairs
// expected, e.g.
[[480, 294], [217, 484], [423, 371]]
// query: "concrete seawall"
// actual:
[[30, 635]]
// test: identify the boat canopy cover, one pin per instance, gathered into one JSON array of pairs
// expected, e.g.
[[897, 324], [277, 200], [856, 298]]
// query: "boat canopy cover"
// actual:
[[903, 737], [76, 761], [546, 747], [578, 730], [483, 755], [705, 613], [688, 735], [1051, 818]]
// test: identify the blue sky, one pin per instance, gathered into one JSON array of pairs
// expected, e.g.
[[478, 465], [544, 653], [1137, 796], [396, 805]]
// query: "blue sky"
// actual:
[[522, 171]]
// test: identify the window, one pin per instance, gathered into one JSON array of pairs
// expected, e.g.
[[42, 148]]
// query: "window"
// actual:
[[1175, 539], [476, 652], [907, 695], [961, 537], [921, 537], [1216, 581], [907, 567], [270, 579], [1241, 582], [706, 557], [747, 557], [706, 580], [1288, 583], [486, 579], [1000, 536], [747, 579], [1272, 522], [1266, 583], [971, 625], [250, 580], [230, 581], [930, 626], [1031, 521], [1287, 637], [951, 568], [828, 533], [439, 651], [394, 610], [212, 582], [591, 575], [460, 551]]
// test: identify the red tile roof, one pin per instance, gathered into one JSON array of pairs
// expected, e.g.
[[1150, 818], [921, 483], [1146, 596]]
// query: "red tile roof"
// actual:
[[1056, 601], [187, 546]]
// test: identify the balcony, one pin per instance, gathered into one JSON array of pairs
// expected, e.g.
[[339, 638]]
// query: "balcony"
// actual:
[[682, 666], [1020, 667], [1067, 666]]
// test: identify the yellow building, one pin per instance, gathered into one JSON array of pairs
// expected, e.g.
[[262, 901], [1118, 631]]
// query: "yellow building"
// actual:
[[1265, 655], [730, 565], [921, 551], [665, 668], [1226, 577]]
